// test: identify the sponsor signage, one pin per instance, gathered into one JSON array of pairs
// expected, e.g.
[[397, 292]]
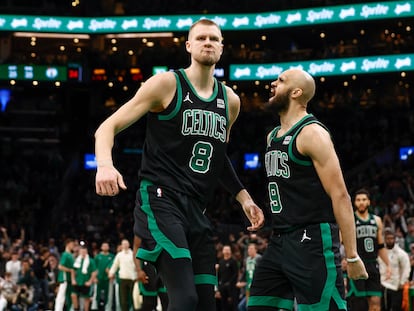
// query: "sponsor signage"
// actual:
[[326, 67], [252, 21]]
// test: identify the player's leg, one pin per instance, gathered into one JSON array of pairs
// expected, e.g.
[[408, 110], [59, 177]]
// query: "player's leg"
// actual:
[[315, 271], [178, 278], [203, 254], [373, 286], [374, 303], [270, 289]]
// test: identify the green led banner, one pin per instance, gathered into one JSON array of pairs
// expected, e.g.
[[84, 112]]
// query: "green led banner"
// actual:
[[129, 24], [33, 72], [326, 67]]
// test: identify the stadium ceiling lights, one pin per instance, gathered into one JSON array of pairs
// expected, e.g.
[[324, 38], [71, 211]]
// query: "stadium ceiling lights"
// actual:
[[51, 35]]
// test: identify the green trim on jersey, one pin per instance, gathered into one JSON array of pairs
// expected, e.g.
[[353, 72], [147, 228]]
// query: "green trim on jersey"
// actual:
[[205, 279], [173, 113], [276, 129], [290, 147], [223, 87], [329, 290], [215, 90], [162, 241], [291, 155], [267, 301]]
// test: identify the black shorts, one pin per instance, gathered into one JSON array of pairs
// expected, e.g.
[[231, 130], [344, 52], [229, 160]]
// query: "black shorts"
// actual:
[[304, 264], [82, 290], [369, 287], [170, 221], [155, 284]]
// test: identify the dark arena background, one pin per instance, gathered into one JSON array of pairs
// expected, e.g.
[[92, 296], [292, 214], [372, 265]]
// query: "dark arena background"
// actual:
[[67, 65]]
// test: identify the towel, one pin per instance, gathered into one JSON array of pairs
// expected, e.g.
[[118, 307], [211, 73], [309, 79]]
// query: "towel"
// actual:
[[85, 263]]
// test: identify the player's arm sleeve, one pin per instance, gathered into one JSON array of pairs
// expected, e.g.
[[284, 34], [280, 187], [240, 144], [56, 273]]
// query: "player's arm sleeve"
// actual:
[[229, 179]]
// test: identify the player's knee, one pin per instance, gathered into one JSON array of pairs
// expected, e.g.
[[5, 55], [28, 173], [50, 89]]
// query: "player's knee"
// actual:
[[184, 302]]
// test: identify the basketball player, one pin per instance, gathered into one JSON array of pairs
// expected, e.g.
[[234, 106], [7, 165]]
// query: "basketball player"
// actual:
[[150, 284], [63, 296], [190, 115], [370, 244], [309, 203]]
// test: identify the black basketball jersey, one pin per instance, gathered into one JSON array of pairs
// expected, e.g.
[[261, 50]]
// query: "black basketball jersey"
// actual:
[[297, 197], [367, 238], [185, 145]]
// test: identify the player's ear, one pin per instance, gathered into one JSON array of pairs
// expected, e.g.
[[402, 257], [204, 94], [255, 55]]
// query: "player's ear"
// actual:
[[297, 92], [188, 46]]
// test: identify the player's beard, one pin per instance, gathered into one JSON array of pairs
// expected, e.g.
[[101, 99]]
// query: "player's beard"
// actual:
[[208, 60], [280, 102], [362, 209]]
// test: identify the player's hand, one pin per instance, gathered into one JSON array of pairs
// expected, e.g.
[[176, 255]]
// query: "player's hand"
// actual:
[[388, 272], [142, 277], [108, 181], [254, 214], [356, 270]]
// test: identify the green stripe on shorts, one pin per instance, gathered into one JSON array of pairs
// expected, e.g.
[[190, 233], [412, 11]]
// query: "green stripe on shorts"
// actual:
[[205, 279], [330, 291], [162, 241], [267, 301]]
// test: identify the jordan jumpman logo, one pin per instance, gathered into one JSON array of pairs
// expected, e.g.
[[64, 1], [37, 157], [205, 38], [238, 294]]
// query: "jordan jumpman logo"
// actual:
[[305, 237], [187, 98]]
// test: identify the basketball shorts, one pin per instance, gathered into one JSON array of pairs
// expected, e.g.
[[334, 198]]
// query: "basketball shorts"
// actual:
[[155, 284], [167, 220], [82, 290], [303, 264], [369, 287]]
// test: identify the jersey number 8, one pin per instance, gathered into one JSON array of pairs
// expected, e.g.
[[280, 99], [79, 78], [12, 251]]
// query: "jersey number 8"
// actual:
[[201, 159]]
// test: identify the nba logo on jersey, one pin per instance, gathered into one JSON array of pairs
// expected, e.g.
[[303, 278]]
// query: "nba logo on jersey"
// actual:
[[220, 103], [287, 140]]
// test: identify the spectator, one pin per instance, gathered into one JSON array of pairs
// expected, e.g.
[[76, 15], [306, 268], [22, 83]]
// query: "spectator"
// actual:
[[14, 266], [227, 274], [52, 272], [8, 289], [400, 271], [124, 264], [250, 263], [40, 268]]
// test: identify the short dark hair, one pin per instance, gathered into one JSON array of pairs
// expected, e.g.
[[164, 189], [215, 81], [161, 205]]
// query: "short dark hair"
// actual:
[[363, 191], [69, 240], [389, 231]]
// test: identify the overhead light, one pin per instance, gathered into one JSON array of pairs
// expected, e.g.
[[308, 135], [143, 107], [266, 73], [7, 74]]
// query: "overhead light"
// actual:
[[140, 35], [51, 35]]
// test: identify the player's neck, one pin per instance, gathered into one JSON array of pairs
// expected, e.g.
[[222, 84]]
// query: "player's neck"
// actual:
[[290, 118], [201, 77], [363, 215]]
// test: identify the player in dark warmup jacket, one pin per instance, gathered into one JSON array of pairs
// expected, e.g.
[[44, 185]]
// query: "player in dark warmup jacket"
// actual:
[[190, 115], [309, 203]]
